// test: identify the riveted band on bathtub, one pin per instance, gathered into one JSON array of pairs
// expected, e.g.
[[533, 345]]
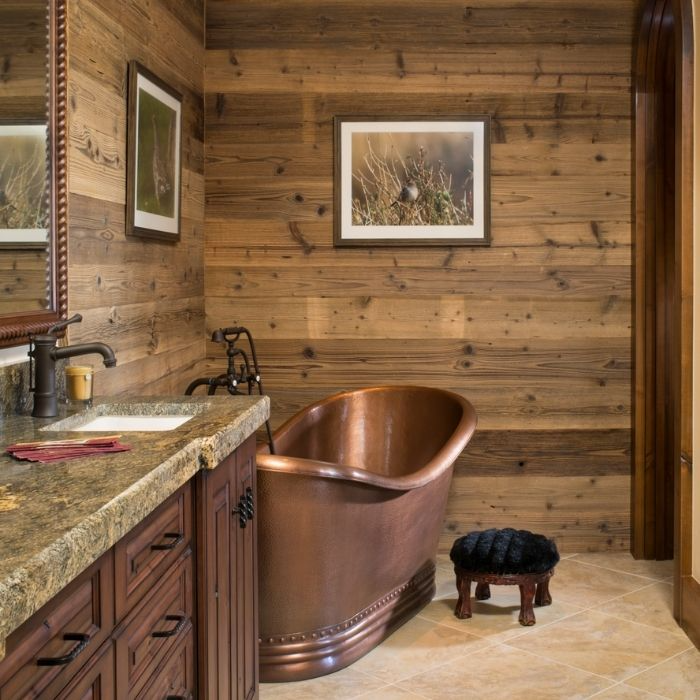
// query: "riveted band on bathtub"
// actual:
[[317, 652]]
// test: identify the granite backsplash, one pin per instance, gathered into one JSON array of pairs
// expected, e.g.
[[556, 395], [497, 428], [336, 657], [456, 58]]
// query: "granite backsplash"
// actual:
[[15, 397]]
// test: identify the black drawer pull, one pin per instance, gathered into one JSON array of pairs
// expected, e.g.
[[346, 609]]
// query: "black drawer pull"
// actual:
[[249, 502], [181, 622], [82, 639], [179, 697], [176, 537], [245, 508]]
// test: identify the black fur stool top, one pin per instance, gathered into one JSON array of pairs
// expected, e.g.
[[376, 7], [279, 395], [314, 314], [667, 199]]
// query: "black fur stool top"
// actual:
[[504, 557]]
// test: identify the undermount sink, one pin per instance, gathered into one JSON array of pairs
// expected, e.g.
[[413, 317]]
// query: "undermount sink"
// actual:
[[128, 418], [130, 423]]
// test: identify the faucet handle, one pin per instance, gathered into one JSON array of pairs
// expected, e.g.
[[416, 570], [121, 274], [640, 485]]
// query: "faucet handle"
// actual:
[[76, 318]]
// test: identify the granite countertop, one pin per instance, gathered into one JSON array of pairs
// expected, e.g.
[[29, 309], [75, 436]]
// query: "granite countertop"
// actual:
[[56, 519]]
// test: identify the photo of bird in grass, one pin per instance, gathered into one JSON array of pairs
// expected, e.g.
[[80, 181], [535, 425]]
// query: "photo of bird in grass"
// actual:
[[412, 179]]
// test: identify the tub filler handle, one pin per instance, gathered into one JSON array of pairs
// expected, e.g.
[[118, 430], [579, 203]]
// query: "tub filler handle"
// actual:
[[245, 508]]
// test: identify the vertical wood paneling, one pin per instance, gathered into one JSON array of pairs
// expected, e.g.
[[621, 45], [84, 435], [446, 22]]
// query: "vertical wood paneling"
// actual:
[[144, 298], [536, 329]]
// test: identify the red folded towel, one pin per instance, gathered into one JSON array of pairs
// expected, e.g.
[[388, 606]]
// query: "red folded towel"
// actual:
[[59, 450]]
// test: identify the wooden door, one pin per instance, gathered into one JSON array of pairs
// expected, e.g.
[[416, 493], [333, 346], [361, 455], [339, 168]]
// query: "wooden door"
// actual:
[[656, 350], [662, 481]]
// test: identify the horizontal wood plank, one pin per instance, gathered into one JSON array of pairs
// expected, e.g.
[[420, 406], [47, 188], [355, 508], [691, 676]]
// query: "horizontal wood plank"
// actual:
[[243, 281], [372, 26], [581, 513]]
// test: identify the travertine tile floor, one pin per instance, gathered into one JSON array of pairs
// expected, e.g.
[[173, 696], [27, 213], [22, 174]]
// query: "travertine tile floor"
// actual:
[[609, 634]]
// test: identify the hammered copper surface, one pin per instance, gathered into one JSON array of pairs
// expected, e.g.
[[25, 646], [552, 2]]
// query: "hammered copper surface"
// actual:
[[351, 509]]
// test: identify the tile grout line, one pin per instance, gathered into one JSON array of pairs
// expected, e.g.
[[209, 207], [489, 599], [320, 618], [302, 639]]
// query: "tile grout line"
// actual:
[[679, 634], [612, 681], [614, 571], [384, 687], [621, 684], [440, 664], [653, 666]]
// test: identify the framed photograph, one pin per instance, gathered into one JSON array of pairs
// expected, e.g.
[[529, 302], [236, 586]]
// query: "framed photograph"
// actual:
[[24, 194], [411, 181], [154, 156]]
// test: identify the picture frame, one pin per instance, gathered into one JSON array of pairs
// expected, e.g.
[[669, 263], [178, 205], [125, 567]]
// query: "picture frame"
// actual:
[[154, 156], [411, 181], [24, 186]]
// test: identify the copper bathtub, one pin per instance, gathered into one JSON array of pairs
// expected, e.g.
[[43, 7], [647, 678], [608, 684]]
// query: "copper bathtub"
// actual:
[[349, 521]]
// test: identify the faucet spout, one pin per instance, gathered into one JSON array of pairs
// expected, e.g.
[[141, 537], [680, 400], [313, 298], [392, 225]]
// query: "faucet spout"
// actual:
[[44, 352], [87, 349]]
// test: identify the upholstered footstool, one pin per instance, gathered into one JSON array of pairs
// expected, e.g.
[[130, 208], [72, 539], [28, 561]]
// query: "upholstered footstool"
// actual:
[[504, 557]]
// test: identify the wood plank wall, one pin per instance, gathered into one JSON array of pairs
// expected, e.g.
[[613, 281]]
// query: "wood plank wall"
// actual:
[[145, 298], [534, 330], [23, 77]]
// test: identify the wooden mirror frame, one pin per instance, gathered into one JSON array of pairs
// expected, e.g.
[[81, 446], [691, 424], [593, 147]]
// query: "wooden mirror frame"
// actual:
[[15, 329]]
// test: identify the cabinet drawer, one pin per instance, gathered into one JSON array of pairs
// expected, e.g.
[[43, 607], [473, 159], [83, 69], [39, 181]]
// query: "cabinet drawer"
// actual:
[[95, 681], [144, 555], [176, 677], [47, 651], [154, 628]]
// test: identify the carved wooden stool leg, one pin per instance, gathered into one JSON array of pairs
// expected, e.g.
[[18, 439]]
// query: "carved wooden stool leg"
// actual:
[[482, 592], [542, 596], [527, 614], [464, 588]]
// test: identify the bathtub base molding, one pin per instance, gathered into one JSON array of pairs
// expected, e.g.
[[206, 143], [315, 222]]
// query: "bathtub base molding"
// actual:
[[313, 653]]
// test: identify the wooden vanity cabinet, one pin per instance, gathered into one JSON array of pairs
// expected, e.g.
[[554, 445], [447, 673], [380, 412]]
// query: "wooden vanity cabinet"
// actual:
[[169, 612], [227, 578], [45, 653], [96, 680]]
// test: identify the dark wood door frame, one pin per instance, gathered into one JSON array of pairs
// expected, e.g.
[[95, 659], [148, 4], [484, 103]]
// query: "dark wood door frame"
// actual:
[[661, 513]]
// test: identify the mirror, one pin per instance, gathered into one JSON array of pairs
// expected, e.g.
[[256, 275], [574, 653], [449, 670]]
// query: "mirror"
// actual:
[[33, 192]]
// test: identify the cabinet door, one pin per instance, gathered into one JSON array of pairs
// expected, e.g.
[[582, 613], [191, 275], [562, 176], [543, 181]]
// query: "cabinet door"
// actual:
[[95, 681], [246, 593], [227, 600], [157, 625], [49, 649]]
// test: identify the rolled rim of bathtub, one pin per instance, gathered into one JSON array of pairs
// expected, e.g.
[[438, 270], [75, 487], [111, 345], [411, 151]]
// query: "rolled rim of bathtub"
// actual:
[[442, 460]]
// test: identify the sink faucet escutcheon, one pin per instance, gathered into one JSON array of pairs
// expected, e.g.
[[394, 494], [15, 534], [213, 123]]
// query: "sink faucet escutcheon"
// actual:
[[44, 352]]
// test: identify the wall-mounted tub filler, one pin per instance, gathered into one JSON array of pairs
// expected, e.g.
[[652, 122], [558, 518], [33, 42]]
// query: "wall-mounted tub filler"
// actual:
[[232, 380]]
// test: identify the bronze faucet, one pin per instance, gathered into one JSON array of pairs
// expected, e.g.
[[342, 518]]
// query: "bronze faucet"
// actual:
[[44, 352]]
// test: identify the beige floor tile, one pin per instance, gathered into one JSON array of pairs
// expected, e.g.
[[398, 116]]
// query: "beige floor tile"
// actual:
[[677, 678], [624, 692], [445, 583], [503, 673], [602, 644], [416, 647], [391, 692], [496, 618], [444, 562], [652, 606], [625, 562], [347, 684], [587, 586]]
